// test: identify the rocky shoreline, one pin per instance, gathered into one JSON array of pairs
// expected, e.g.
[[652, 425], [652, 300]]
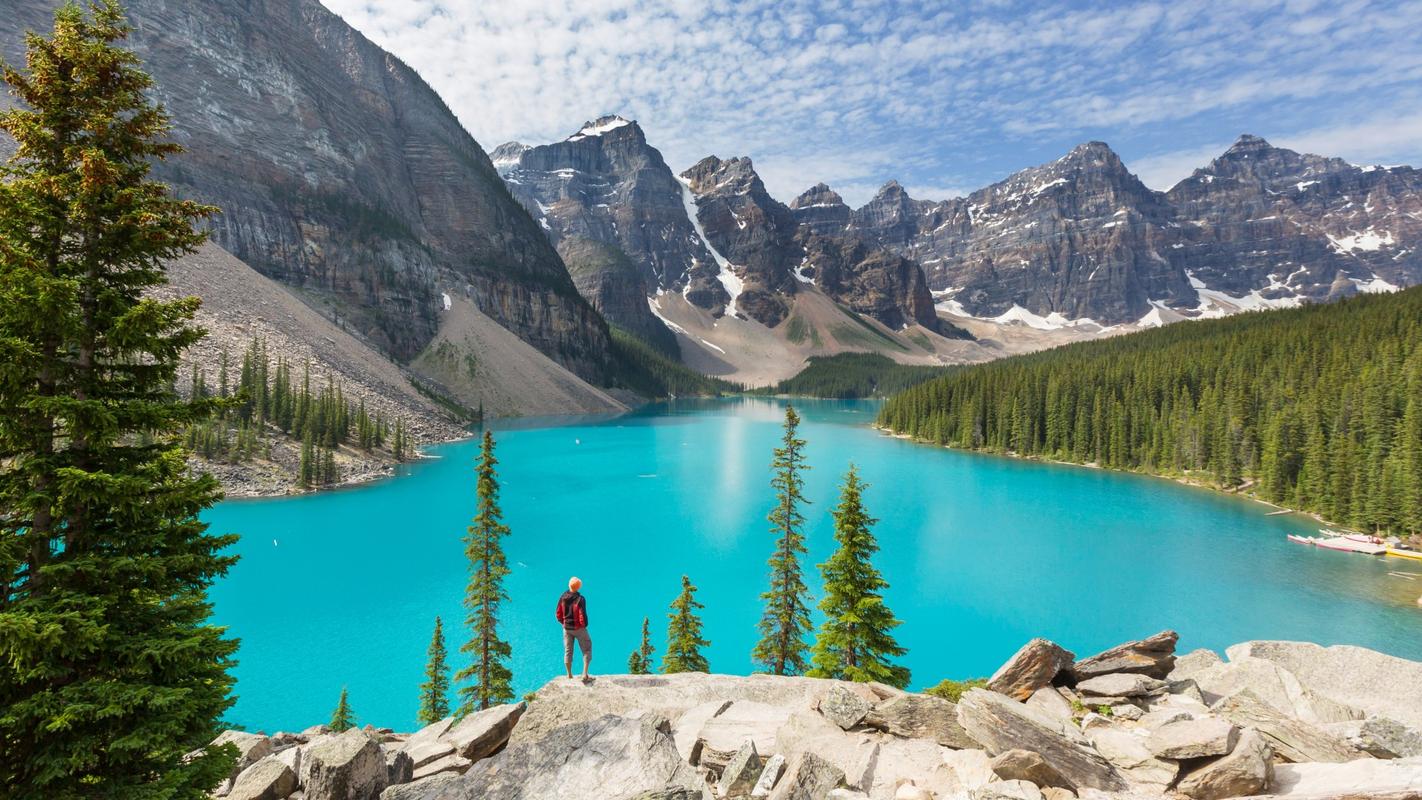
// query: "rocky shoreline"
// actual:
[[1282, 719]]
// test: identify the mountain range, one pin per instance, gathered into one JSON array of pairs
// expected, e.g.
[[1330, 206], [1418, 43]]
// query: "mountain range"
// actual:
[[344, 177]]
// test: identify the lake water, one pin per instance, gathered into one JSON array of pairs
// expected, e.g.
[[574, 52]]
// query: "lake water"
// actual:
[[341, 588]]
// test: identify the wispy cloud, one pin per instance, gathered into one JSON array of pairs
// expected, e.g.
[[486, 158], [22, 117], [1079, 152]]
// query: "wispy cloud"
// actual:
[[855, 92]]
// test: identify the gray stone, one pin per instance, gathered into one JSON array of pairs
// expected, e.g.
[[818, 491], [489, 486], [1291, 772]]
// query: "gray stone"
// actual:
[[399, 767], [1126, 711], [919, 762], [722, 735], [1025, 765], [1032, 667], [1192, 662], [1290, 739], [453, 762], [1007, 790], [670, 793], [850, 794], [1126, 750], [1396, 779], [1378, 736], [1157, 717], [424, 751], [1246, 770], [1186, 688], [769, 776], [1153, 656], [739, 776], [1193, 738], [609, 757], [686, 729], [251, 747], [843, 707], [268, 779], [1275, 686], [1052, 702], [347, 766], [921, 716], [1119, 684], [481, 733], [807, 777], [1001, 724], [1353, 676], [420, 789], [854, 752]]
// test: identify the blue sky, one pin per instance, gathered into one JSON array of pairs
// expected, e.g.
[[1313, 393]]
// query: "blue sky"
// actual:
[[945, 98]]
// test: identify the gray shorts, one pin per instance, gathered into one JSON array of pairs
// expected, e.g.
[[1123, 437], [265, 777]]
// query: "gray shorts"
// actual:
[[581, 637]]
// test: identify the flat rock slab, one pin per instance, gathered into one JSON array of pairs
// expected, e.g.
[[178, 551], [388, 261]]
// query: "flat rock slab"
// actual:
[[1353, 676], [1193, 738], [1052, 702], [484, 732], [1002, 724], [1153, 656], [921, 716], [610, 757], [1025, 765], [1290, 739], [1247, 770], [1369, 777], [1032, 667], [1121, 684]]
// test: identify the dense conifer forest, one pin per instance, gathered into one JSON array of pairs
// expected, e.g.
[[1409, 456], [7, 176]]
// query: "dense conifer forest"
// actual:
[[853, 375], [1317, 408]]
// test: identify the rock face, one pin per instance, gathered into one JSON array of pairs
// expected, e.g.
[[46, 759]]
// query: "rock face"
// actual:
[[339, 171], [820, 210], [1032, 667], [871, 281], [616, 288]]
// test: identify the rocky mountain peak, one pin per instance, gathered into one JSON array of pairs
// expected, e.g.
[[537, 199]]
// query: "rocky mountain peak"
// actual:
[[822, 210], [818, 195], [1249, 143], [604, 125], [507, 155]]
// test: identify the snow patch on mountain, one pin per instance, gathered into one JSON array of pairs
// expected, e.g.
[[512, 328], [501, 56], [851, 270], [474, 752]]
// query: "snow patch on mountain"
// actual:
[[599, 127], [726, 275], [1369, 240]]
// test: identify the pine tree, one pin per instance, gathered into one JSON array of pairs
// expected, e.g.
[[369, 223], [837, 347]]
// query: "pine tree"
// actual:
[[110, 670], [786, 620], [640, 662], [434, 692], [491, 679], [684, 640], [855, 641], [342, 719]]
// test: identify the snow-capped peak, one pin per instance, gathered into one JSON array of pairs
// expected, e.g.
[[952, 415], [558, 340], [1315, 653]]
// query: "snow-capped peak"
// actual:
[[599, 126]]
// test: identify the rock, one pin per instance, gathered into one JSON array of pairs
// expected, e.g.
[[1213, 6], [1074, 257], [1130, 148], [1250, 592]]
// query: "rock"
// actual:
[[921, 716], [1192, 662], [1157, 717], [1153, 657], [1025, 765], [971, 769], [909, 791], [1126, 750], [739, 776], [1007, 790], [1126, 711], [807, 777], [854, 753], [769, 776], [1247, 770], [347, 766], [290, 756], [453, 762], [1002, 724], [1119, 684], [1353, 676], [420, 789], [1052, 702], [1378, 736], [843, 707], [722, 735], [670, 793], [848, 794], [251, 747], [1057, 793], [481, 733], [1193, 738], [1367, 778], [315, 730], [268, 779], [399, 767], [1272, 684], [424, 751], [1031, 668], [686, 730], [610, 757], [1187, 688], [918, 762], [1290, 739]]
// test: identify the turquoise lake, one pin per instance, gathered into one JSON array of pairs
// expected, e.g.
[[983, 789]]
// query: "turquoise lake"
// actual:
[[341, 588]]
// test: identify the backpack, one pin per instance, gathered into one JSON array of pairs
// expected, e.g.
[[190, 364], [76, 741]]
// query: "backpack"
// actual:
[[568, 607]]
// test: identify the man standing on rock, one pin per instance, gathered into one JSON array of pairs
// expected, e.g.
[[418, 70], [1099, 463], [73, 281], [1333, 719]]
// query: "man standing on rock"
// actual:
[[573, 614]]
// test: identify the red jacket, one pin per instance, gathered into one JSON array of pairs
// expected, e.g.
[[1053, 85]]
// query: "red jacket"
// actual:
[[572, 611]]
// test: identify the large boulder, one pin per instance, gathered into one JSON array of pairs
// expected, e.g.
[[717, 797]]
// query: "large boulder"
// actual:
[[1246, 770], [427, 744], [347, 766], [853, 752], [1025, 765], [1153, 656], [453, 762], [807, 777], [420, 789], [484, 732], [1050, 701], [1274, 686], [1192, 662], [1126, 750], [1401, 778], [1378, 737], [920, 716], [610, 757], [1002, 724], [843, 707], [1120, 684], [1353, 676], [1290, 739], [268, 779], [251, 747], [1030, 668], [1187, 738]]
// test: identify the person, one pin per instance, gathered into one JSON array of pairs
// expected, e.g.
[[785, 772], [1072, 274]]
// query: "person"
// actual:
[[573, 614]]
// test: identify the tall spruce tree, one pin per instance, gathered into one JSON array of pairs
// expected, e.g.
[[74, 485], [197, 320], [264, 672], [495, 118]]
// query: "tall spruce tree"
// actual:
[[855, 641], [434, 692], [786, 620], [684, 640], [640, 662], [489, 677], [110, 670], [342, 718]]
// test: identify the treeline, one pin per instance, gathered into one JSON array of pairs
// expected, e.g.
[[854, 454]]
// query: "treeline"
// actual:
[[651, 373], [262, 398], [1318, 408], [854, 375]]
